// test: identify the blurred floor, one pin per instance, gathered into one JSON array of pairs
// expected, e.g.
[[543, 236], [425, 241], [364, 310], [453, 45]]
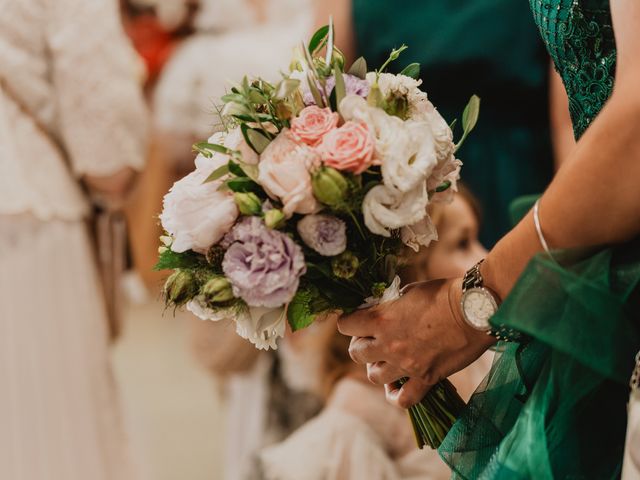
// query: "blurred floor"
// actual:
[[172, 405]]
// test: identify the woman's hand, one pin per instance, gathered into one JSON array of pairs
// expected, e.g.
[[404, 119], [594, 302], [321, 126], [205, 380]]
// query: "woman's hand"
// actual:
[[421, 336]]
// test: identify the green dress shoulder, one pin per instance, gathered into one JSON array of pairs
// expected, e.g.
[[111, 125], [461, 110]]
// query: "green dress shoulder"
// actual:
[[487, 47], [554, 407]]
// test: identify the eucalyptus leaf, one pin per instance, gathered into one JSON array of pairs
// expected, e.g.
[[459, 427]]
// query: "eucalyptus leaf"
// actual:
[[286, 87], [235, 108], [339, 89], [214, 147], [254, 138], [412, 70], [469, 118], [251, 171], [318, 39], [217, 173], [329, 54], [359, 68], [315, 92], [234, 97], [258, 140]]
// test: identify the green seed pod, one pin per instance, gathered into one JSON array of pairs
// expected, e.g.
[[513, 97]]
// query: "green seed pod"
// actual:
[[345, 265], [274, 218], [248, 203], [330, 187], [216, 291], [180, 287]]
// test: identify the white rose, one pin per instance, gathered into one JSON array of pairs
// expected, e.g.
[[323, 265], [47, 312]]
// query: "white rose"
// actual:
[[262, 326], [196, 214], [385, 209]]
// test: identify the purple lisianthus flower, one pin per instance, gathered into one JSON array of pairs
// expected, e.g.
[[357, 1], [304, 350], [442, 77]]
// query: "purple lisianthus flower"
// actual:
[[352, 85], [325, 234], [263, 265]]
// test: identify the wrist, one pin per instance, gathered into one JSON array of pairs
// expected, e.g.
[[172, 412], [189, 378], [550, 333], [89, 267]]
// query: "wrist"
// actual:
[[455, 305]]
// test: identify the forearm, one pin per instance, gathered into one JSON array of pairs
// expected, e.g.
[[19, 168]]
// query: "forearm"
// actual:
[[593, 200]]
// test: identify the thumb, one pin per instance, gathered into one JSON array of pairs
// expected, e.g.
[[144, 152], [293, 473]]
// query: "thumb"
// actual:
[[409, 394]]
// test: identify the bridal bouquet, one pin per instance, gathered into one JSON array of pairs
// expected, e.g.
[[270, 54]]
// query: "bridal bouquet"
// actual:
[[302, 204]]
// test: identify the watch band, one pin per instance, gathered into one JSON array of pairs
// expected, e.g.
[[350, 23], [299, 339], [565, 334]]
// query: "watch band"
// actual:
[[473, 279]]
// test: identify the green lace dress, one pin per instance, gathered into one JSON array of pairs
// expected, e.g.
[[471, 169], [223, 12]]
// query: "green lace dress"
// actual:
[[487, 47], [555, 406]]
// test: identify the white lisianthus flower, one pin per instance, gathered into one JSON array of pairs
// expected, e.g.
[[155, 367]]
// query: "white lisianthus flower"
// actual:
[[395, 84], [404, 149], [198, 308], [262, 326], [386, 209], [197, 214], [420, 234]]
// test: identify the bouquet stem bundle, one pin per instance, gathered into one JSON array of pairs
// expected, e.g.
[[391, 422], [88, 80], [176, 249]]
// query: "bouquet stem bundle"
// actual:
[[434, 416]]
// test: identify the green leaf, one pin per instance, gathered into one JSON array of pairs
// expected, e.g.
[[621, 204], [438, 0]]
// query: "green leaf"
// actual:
[[443, 187], [218, 173], [243, 185], [469, 118], [236, 169], [412, 70], [252, 171], [257, 140], [299, 312], [339, 89], [359, 68], [318, 39], [315, 92], [214, 147], [330, 42], [453, 124], [234, 97], [170, 260], [286, 87]]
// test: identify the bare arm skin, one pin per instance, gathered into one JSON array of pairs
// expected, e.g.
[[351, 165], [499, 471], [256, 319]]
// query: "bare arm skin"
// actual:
[[593, 200]]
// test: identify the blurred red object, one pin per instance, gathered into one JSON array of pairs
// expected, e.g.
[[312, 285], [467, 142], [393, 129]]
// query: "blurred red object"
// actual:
[[153, 43]]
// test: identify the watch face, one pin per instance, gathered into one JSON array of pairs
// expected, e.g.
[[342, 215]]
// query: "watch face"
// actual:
[[478, 306]]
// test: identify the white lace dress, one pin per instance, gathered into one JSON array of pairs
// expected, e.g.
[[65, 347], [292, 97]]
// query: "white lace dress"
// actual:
[[66, 63], [357, 436]]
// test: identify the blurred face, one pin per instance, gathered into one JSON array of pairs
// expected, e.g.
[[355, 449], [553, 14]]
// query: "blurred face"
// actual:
[[457, 248]]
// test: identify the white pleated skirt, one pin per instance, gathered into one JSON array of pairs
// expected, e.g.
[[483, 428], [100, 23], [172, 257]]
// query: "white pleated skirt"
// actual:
[[59, 412]]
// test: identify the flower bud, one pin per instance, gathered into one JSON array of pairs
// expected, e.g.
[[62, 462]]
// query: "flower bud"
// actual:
[[248, 203], [162, 249], [329, 186], [377, 289], [274, 218], [180, 287], [337, 57], [217, 290], [345, 265], [166, 240]]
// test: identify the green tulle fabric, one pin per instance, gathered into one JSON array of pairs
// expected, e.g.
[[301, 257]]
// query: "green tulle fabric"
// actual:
[[555, 407]]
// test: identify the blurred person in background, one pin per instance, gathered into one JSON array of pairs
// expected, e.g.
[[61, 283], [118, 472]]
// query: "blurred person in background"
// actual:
[[72, 126], [359, 435], [485, 47]]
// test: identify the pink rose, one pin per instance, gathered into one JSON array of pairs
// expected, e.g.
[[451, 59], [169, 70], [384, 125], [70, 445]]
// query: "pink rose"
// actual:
[[349, 147], [313, 123], [284, 174]]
